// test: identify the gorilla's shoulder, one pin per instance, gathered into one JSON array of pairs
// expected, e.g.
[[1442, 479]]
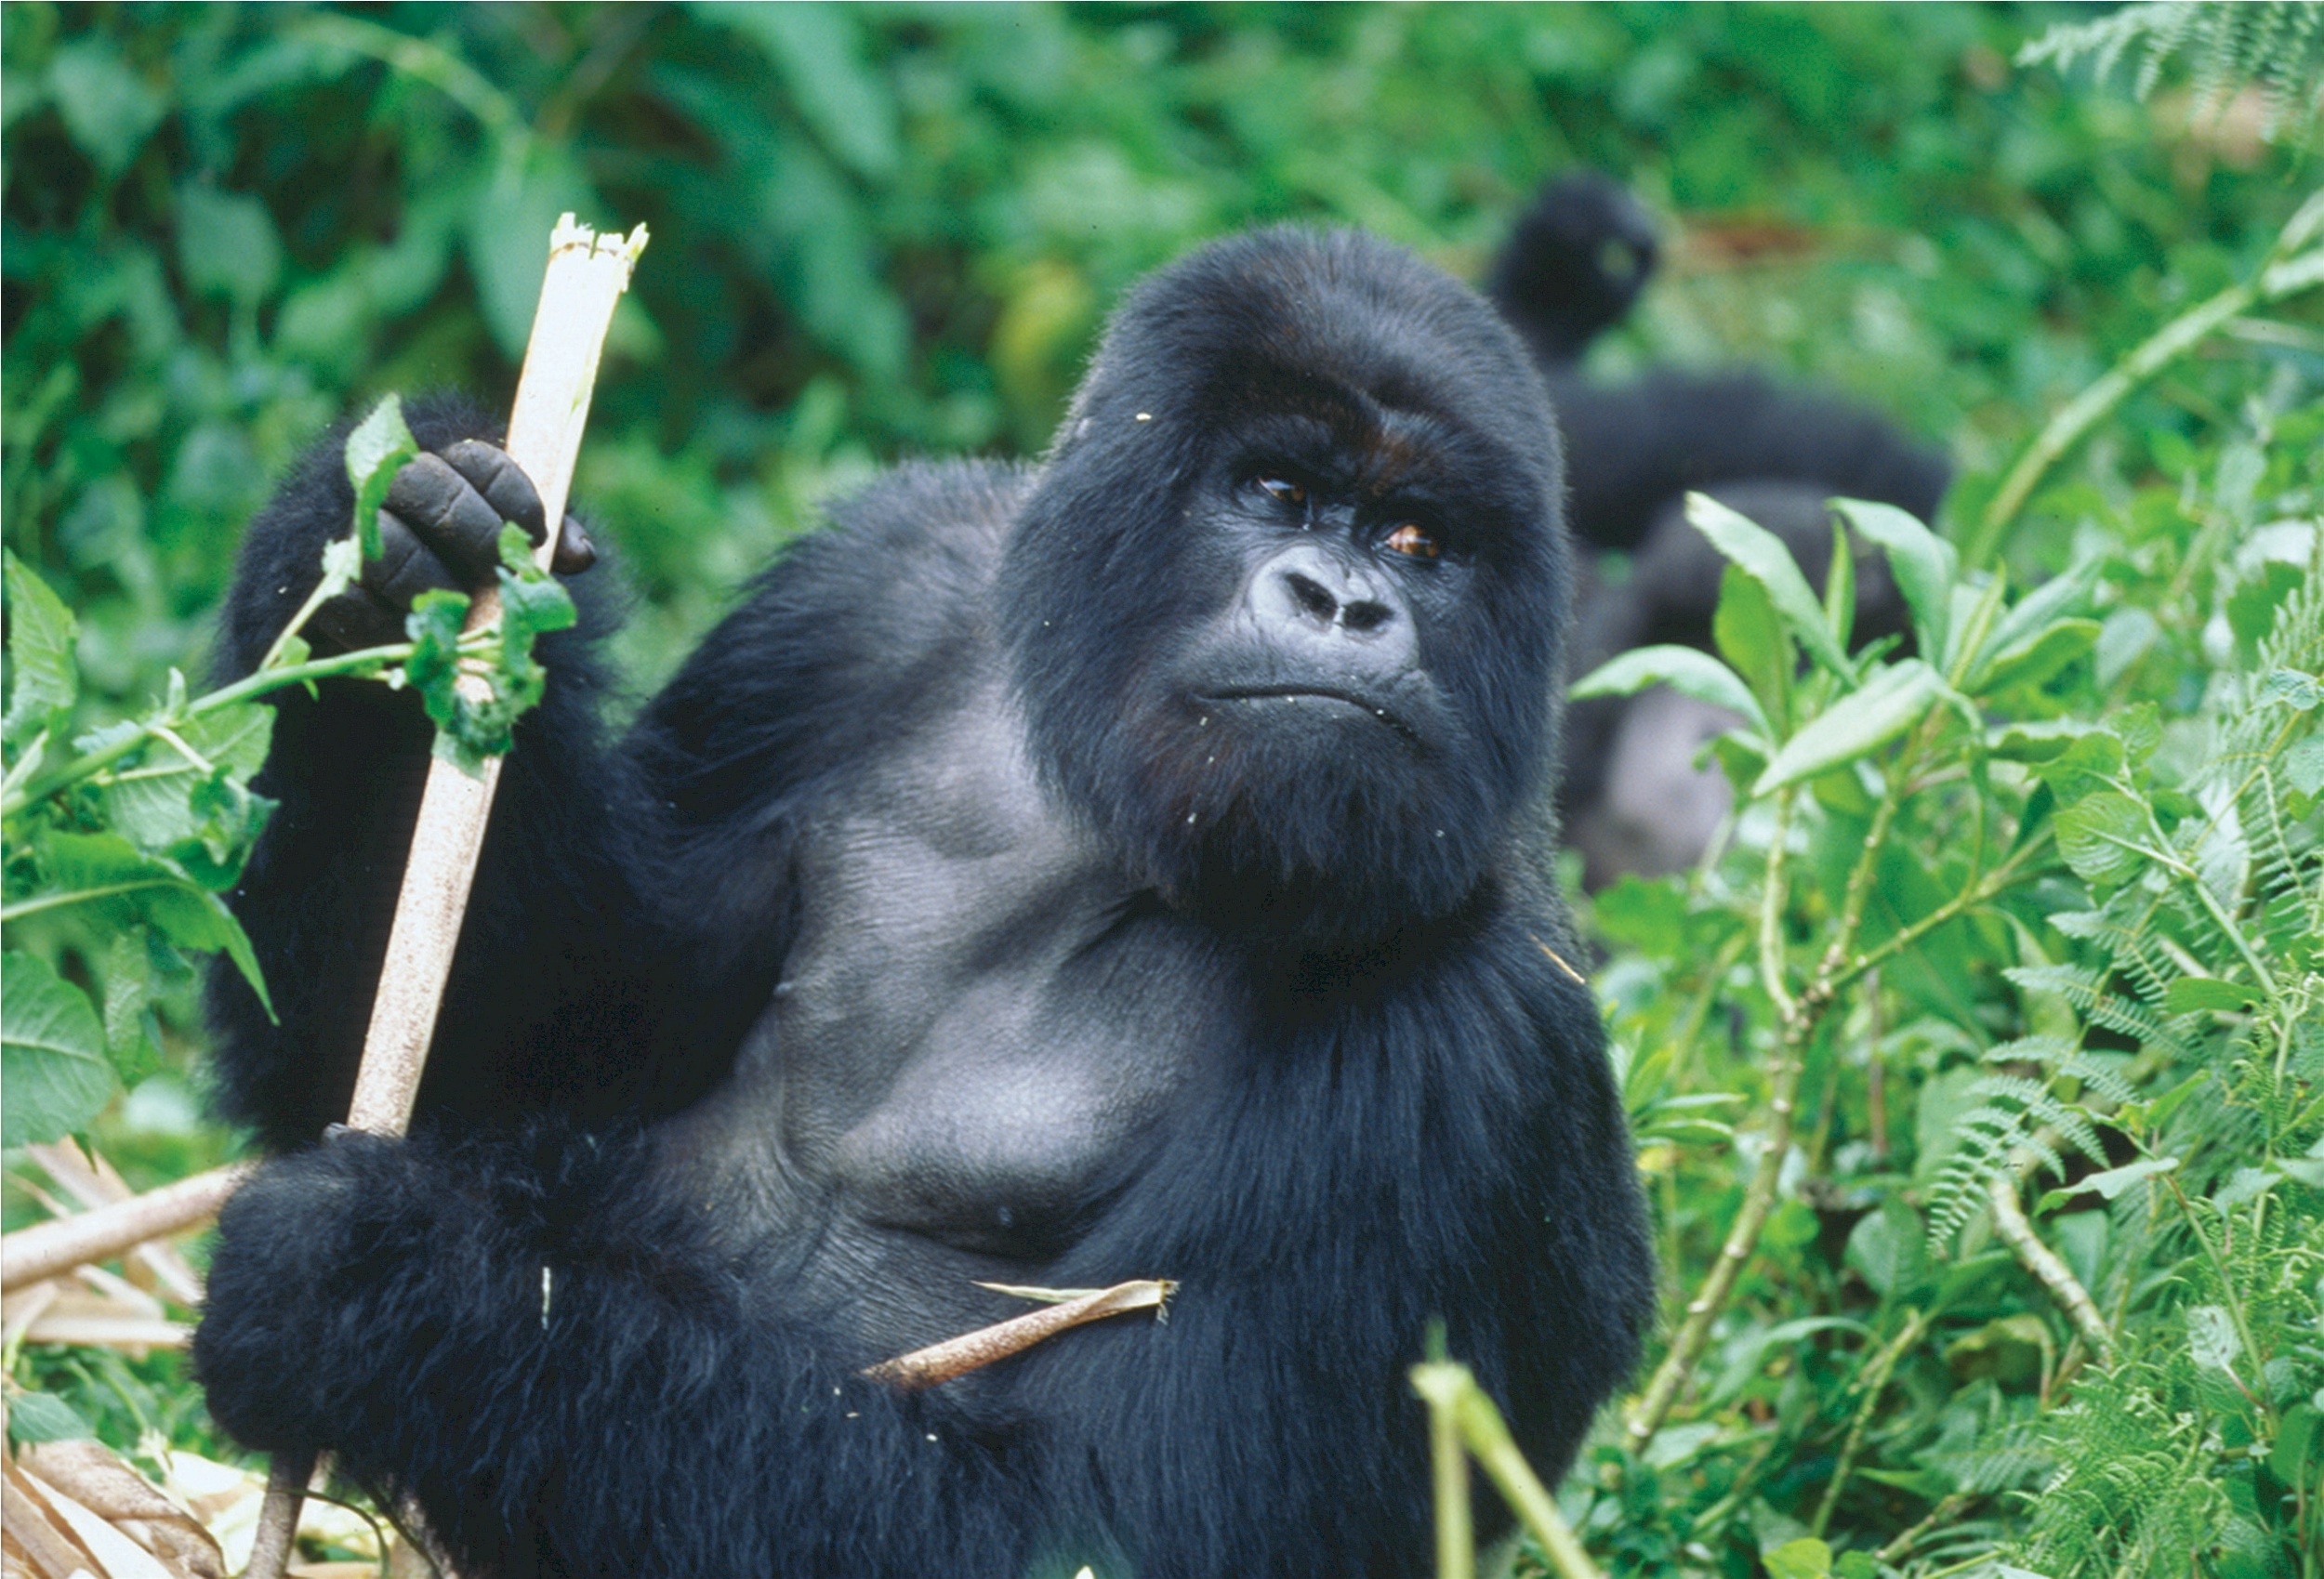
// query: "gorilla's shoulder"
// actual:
[[878, 616]]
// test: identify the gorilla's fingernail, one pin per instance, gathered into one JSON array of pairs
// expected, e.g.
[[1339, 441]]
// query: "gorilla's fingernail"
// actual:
[[575, 551]]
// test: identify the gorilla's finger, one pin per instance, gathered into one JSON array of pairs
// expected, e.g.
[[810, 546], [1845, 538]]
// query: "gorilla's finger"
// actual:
[[501, 481], [405, 567], [574, 552], [449, 516], [356, 618]]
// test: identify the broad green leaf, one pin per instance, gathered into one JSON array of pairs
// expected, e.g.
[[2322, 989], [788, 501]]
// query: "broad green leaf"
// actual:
[[818, 50], [44, 677], [107, 107], [1763, 557], [1924, 565], [2194, 994], [1749, 636], [1684, 669], [2104, 837], [378, 448], [56, 1073], [2292, 689], [1892, 701], [126, 885], [1887, 1248], [131, 1031], [44, 1417], [2211, 1338], [227, 244], [1807, 1557]]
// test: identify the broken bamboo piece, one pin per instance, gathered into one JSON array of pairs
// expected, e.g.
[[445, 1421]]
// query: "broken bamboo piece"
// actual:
[[973, 1351], [587, 276], [50, 1249]]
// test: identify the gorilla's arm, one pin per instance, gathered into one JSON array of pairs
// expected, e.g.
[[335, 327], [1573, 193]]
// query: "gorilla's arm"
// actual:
[[525, 1332], [559, 961]]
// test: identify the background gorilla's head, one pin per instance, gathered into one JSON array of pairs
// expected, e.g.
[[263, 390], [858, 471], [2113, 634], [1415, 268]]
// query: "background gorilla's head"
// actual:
[[1286, 606]]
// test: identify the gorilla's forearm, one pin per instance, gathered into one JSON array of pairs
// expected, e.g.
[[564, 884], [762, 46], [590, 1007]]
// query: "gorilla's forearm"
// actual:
[[469, 1331], [554, 922]]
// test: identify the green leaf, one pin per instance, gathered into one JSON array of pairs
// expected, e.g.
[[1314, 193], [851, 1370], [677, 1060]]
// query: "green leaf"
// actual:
[[55, 1072], [2292, 689], [2112, 1182], [227, 244], [1750, 638], [2033, 614], [2195, 995], [2104, 838], [818, 50], [376, 450], [107, 107], [131, 1032], [1924, 566], [2211, 1338], [1894, 701], [1762, 556], [44, 677], [1840, 587], [1807, 1557], [128, 885], [1684, 669], [2034, 660], [2303, 764], [44, 1417], [1887, 1247]]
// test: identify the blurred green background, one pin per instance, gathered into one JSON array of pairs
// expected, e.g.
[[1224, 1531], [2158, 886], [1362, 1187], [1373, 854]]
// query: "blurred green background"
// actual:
[[889, 229]]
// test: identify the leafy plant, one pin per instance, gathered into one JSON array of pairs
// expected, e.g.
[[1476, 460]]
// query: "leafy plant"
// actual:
[[132, 831]]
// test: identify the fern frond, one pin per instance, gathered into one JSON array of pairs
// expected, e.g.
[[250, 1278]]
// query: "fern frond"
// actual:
[[2278, 44]]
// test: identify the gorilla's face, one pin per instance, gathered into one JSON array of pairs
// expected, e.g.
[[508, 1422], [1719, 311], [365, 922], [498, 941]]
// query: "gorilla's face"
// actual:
[[1285, 603]]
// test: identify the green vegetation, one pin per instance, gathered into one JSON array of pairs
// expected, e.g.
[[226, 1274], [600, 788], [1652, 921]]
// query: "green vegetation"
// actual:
[[1979, 1069]]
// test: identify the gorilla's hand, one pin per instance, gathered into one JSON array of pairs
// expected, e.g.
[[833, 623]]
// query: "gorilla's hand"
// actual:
[[440, 529], [280, 1349]]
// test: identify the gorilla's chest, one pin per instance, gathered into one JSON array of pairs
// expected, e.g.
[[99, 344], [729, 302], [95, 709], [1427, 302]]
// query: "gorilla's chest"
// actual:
[[977, 1026]]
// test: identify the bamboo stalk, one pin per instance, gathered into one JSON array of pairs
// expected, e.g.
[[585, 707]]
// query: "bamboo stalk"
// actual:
[[50, 1249], [973, 1351], [587, 276]]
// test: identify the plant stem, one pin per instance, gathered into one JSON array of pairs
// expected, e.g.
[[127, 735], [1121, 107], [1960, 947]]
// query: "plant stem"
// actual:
[[1438, 1383], [1875, 1382], [2287, 272], [368, 660], [1487, 1434], [2010, 1221]]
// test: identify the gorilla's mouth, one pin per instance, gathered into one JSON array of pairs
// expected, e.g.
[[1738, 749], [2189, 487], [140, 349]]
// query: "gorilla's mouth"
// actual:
[[1326, 696]]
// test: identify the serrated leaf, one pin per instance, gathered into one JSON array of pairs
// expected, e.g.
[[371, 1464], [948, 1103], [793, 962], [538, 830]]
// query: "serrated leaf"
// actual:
[[1888, 1249], [44, 677], [1760, 555], [2292, 689], [2104, 838], [1859, 723], [1923, 565], [378, 448], [129, 1023], [52, 1054], [1684, 669]]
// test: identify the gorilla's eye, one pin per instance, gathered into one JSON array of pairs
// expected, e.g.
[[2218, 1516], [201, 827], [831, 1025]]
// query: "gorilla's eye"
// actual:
[[1282, 489], [1414, 540], [1617, 261]]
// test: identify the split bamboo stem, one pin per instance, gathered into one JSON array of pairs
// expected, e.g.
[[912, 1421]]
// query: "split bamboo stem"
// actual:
[[587, 276]]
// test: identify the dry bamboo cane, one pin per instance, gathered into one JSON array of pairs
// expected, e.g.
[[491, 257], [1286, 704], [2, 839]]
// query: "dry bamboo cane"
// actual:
[[587, 275]]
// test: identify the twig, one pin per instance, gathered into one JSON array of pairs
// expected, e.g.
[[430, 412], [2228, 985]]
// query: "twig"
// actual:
[[2010, 1222], [47, 1250], [973, 1351], [1875, 1382]]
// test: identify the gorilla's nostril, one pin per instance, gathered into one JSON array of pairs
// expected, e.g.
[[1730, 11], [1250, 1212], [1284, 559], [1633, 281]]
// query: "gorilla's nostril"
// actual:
[[1366, 616], [1312, 596]]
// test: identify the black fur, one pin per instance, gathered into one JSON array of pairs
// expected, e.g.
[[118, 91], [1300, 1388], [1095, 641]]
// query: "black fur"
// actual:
[[1573, 265], [878, 958]]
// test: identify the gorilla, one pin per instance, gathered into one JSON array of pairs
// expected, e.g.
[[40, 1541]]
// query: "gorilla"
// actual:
[[1130, 865], [1573, 265]]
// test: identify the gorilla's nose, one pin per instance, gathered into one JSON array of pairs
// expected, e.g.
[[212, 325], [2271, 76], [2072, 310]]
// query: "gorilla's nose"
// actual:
[[1309, 598]]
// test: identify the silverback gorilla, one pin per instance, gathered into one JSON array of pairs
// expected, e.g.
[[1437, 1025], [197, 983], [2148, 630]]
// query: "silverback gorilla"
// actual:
[[1133, 865]]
